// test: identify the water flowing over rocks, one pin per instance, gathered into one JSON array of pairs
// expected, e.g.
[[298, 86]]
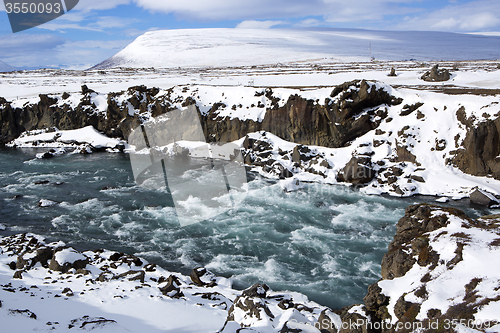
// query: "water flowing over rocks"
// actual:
[[437, 275]]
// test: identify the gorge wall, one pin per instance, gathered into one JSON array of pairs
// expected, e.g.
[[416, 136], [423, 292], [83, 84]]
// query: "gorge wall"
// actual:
[[350, 111]]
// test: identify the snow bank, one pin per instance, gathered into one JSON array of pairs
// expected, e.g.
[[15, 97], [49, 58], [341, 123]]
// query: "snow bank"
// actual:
[[71, 138], [106, 291]]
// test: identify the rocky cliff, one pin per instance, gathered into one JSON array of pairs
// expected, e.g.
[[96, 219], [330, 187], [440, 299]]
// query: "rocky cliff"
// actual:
[[341, 119], [394, 140], [480, 152], [437, 275]]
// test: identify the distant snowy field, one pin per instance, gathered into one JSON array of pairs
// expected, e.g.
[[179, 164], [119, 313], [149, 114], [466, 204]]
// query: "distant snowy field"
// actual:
[[470, 74], [246, 47], [273, 58]]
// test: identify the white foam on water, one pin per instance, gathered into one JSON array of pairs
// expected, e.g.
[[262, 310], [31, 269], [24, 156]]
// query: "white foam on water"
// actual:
[[310, 237], [329, 264], [126, 231], [368, 267], [60, 221], [91, 205]]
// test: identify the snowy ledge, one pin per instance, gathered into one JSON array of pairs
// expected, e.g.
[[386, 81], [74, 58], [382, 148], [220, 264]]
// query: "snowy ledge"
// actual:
[[49, 286], [412, 147], [84, 140]]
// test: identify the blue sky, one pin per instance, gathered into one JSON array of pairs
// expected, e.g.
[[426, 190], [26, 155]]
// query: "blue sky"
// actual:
[[97, 29]]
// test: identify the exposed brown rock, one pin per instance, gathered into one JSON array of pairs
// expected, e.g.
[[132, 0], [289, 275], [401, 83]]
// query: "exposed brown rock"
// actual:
[[299, 120], [480, 151], [357, 171], [436, 75]]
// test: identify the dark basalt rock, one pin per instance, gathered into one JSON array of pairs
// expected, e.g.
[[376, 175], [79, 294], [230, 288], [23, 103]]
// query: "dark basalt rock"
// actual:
[[65, 267], [257, 290], [172, 288], [132, 276], [86, 90], [482, 198], [411, 246], [436, 75], [203, 278], [26, 313], [479, 154], [357, 171], [408, 109], [302, 121]]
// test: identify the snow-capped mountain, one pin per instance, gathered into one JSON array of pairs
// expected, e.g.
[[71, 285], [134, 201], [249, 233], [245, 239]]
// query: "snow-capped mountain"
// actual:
[[247, 47], [6, 67]]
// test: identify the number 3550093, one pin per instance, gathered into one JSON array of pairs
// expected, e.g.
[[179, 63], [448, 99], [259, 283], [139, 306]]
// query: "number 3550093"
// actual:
[[33, 8]]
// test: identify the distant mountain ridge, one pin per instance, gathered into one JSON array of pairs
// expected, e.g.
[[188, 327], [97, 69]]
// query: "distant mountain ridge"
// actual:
[[6, 67], [224, 47]]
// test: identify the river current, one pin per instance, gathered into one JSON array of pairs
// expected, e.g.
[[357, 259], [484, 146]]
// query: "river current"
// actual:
[[323, 241]]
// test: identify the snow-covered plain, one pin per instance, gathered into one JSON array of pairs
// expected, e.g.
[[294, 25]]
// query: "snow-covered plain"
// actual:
[[22, 86], [249, 47]]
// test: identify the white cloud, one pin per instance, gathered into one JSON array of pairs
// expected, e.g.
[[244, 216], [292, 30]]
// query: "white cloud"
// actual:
[[33, 50], [110, 22], [309, 23], [480, 15], [234, 9], [451, 16], [23, 50], [259, 24], [62, 27], [88, 5]]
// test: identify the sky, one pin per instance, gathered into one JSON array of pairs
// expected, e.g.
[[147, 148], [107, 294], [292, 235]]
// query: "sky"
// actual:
[[97, 29]]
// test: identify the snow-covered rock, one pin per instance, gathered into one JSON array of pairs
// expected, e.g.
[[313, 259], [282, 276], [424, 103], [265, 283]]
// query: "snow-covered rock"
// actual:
[[439, 271], [51, 153], [397, 141], [49, 286], [46, 203], [55, 138]]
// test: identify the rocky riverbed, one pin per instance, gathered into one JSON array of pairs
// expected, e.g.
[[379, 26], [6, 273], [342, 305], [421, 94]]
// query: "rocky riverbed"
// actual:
[[438, 275]]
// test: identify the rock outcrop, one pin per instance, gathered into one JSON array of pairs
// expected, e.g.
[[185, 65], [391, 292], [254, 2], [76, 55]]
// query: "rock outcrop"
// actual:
[[431, 276], [479, 154], [436, 75], [346, 115], [357, 171], [123, 280]]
